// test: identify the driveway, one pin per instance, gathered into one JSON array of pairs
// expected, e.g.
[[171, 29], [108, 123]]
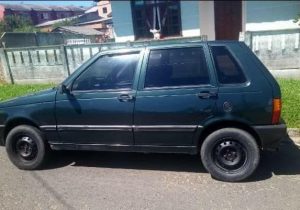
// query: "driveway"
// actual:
[[107, 180]]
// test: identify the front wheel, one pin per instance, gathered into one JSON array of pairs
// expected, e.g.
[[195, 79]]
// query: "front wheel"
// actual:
[[230, 154], [26, 147]]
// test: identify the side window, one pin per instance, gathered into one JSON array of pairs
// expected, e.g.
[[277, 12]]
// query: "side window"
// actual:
[[176, 67], [228, 70], [108, 72]]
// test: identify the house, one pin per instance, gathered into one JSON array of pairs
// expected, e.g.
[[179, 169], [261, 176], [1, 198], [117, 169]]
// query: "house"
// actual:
[[98, 17], [267, 27], [48, 26], [39, 13], [134, 19], [104, 9], [89, 19], [104, 25], [79, 34]]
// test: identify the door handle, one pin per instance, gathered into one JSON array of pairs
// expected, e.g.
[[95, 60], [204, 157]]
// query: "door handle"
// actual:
[[126, 97], [207, 95]]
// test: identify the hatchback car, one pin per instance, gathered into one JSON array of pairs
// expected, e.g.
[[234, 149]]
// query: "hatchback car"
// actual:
[[215, 99]]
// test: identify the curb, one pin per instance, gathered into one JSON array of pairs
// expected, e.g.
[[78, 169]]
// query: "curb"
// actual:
[[294, 134]]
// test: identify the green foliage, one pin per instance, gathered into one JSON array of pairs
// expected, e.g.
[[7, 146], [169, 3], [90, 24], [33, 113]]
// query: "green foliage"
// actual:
[[290, 101], [16, 23], [11, 91]]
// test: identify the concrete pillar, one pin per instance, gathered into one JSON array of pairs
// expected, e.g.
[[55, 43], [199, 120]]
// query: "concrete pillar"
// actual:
[[207, 19], [5, 68]]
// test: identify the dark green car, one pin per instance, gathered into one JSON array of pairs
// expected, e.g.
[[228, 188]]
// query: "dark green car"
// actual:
[[215, 99]]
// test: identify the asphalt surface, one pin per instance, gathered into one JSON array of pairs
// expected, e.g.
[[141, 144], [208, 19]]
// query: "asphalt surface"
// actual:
[[106, 180]]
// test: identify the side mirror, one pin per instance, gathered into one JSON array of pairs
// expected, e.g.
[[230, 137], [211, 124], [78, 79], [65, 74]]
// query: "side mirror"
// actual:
[[64, 89]]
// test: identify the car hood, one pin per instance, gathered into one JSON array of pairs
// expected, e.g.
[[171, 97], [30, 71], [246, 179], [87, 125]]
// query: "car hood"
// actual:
[[34, 98]]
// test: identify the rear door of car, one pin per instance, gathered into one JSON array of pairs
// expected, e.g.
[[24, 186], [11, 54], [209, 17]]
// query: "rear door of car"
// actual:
[[244, 93], [176, 95]]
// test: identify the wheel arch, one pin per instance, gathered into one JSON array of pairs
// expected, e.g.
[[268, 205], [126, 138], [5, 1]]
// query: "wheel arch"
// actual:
[[216, 125], [12, 123]]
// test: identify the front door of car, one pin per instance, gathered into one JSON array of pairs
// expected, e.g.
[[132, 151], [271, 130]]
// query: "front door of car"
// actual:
[[99, 107], [177, 95]]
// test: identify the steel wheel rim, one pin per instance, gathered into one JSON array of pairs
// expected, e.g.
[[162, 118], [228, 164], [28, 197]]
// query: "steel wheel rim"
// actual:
[[229, 154], [26, 148]]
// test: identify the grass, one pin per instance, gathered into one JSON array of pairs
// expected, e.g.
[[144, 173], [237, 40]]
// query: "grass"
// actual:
[[12, 91], [290, 90], [290, 96]]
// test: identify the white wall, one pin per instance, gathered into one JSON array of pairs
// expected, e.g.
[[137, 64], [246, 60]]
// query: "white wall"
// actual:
[[190, 18], [122, 20], [271, 15]]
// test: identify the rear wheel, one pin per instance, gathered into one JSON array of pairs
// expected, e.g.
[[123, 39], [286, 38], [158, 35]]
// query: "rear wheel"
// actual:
[[230, 154], [26, 147]]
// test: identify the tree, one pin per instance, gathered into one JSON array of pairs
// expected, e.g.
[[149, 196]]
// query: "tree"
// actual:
[[16, 23]]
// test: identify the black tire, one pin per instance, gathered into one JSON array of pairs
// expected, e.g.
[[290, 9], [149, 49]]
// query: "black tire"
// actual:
[[230, 154], [26, 147]]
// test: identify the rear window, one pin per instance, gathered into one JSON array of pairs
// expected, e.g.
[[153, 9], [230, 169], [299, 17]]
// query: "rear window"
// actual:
[[228, 70], [176, 67]]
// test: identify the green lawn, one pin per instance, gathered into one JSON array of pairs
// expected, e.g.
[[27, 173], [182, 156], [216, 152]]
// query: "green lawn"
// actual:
[[11, 91], [290, 96], [290, 90]]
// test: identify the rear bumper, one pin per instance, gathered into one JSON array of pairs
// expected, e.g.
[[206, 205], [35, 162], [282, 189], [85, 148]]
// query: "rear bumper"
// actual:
[[271, 135], [1, 135]]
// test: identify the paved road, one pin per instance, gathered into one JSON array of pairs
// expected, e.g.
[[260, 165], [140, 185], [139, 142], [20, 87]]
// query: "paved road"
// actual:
[[104, 180]]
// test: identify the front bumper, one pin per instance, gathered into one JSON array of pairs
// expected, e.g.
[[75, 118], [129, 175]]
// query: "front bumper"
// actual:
[[1, 135], [271, 135]]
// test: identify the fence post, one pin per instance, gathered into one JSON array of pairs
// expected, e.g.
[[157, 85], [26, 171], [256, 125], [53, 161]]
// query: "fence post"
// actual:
[[5, 66], [248, 39], [64, 59]]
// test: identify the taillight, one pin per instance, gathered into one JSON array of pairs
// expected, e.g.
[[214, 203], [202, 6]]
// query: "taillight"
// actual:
[[276, 111]]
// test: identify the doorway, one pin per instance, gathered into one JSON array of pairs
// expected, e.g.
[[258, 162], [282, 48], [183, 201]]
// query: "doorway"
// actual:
[[228, 19]]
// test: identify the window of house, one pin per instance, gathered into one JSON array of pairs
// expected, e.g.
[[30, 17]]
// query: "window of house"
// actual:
[[104, 10], [108, 72], [176, 67], [228, 70], [44, 16]]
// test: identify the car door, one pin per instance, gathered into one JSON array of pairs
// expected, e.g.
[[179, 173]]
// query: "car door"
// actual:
[[176, 95], [99, 107]]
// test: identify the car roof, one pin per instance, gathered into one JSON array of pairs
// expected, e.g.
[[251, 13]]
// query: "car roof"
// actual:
[[156, 44]]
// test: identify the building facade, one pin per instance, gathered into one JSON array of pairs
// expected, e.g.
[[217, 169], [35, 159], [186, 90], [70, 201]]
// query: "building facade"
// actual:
[[104, 9], [99, 18], [268, 27], [39, 13], [90, 19], [134, 19]]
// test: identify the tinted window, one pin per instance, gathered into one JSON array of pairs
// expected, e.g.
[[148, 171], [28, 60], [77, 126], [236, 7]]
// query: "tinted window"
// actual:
[[228, 70], [108, 72], [176, 67]]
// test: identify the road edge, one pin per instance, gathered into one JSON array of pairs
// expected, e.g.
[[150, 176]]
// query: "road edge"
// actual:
[[294, 134]]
